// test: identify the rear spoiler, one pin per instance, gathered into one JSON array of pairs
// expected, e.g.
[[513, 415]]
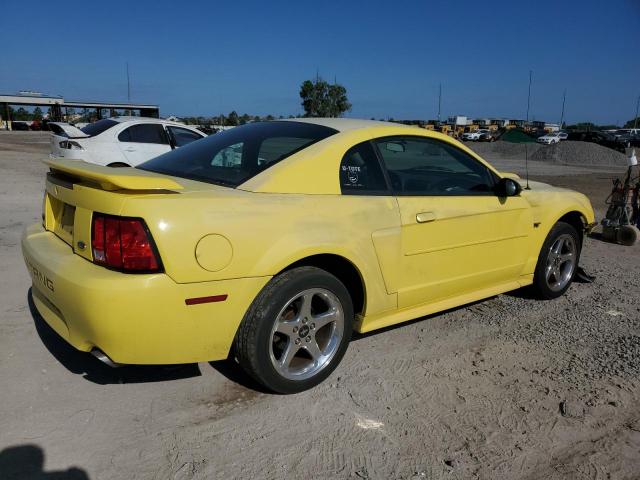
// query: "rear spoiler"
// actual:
[[113, 178]]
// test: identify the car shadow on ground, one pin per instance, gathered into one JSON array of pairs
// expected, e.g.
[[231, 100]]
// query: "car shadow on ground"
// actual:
[[26, 462], [232, 371], [82, 363]]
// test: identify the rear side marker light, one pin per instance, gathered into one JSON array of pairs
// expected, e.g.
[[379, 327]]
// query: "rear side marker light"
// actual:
[[199, 300], [124, 244]]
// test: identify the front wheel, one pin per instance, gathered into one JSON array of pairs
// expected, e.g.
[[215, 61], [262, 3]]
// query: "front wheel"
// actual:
[[296, 331], [557, 262]]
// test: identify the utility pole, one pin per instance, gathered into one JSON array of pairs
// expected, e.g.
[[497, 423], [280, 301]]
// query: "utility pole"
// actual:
[[128, 85], [564, 96], [128, 89], [439, 100], [529, 98], [635, 119]]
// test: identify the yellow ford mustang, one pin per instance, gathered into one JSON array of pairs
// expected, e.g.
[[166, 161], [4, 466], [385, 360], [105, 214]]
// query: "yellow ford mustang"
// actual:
[[276, 240]]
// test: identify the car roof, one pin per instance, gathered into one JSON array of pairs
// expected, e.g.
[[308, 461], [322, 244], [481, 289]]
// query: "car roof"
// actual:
[[346, 124], [125, 118]]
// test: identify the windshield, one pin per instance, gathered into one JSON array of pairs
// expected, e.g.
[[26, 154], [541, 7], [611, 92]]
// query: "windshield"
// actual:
[[98, 127], [234, 156]]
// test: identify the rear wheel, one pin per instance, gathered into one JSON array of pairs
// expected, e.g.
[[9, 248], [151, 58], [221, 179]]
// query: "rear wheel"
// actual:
[[557, 262], [296, 331]]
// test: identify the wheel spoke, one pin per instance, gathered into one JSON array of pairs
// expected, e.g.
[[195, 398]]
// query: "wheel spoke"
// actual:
[[565, 257], [288, 354], [305, 306], [548, 272], [313, 349], [557, 248], [325, 318]]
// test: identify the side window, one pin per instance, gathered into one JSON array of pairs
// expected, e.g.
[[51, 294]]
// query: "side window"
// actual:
[[183, 136], [144, 133], [360, 172], [230, 156], [425, 166]]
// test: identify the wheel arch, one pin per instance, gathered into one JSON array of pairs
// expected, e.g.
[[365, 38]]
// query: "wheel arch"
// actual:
[[343, 269], [577, 220]]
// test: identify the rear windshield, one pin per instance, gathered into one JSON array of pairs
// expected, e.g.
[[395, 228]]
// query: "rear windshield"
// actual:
[[234, 156], [98, 127]]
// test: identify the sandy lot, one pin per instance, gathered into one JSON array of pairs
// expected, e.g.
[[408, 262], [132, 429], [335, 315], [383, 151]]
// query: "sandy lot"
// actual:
[[509, 388]]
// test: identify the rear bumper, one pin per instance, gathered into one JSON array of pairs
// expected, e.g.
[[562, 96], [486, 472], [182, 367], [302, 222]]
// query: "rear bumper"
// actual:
[[134, 319]]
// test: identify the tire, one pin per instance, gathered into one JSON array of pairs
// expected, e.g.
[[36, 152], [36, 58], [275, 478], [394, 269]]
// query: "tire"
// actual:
[[118, 165], [280, 341], [557, 262], [627, 235]]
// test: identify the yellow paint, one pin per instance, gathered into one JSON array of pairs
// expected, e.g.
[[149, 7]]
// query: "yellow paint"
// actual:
[[415, 255]]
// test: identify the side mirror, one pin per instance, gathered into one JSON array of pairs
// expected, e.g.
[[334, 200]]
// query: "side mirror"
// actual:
[[508, 187]]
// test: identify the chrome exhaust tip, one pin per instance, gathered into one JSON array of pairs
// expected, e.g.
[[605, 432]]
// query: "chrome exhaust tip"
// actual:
[[104, 358]]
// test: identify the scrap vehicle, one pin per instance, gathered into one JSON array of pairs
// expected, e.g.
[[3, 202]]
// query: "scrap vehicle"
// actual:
[[272, 242]]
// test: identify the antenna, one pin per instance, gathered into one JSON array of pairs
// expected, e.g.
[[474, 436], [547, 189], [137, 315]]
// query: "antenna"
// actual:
[[526, 150], [439, 100]]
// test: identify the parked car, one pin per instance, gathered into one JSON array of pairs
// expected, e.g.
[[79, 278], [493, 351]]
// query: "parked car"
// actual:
[[549, 138], [601, 138], [281, 238], [120, 141], [563, 135], [474, 136], [488, 136], [19, 126]]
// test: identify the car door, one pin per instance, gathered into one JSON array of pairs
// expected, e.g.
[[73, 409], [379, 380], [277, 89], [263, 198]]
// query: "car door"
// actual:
[[143, 141], [457, 235], [182, 136]]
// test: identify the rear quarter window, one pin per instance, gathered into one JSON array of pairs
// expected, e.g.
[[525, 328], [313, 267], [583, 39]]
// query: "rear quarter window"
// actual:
[[234, 156], [96, 128]]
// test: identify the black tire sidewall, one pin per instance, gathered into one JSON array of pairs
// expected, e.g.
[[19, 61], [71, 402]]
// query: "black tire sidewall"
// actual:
[[539, 280], [264, 312]]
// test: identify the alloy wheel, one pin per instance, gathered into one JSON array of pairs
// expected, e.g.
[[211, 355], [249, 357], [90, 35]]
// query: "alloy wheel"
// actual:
[[306, 334]]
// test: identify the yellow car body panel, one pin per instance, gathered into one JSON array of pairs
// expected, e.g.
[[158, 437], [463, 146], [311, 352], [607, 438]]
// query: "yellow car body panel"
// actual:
[[414, 255]]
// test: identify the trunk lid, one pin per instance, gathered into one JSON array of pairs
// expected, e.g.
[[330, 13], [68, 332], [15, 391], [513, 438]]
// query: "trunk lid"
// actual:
[[75, 189], [66, 130]]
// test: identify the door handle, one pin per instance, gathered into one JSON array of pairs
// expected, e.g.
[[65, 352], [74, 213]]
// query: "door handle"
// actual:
[[130, 150], [425, 217]]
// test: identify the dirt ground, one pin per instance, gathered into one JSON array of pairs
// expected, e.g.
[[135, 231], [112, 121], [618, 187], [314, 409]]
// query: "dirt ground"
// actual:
[[506, 388]]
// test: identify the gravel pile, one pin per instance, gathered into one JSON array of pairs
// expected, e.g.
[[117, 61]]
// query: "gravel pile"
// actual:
[[564, 153], [580, 153]]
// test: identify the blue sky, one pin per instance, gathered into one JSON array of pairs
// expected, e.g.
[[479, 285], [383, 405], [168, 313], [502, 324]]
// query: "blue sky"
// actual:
[[203, 58]]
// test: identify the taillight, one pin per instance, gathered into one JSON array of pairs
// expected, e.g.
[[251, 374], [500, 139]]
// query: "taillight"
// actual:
[[123, 243], [70, 145]]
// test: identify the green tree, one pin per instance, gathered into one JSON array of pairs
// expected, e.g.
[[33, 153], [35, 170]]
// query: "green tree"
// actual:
[[245, 119], [269, 117], [319, 99], [21, 114], [633, 123], [37, 113], [233, 119]]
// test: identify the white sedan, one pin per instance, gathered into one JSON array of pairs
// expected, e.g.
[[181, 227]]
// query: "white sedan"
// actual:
[[474, 135], [549, 138], [120, 141]]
